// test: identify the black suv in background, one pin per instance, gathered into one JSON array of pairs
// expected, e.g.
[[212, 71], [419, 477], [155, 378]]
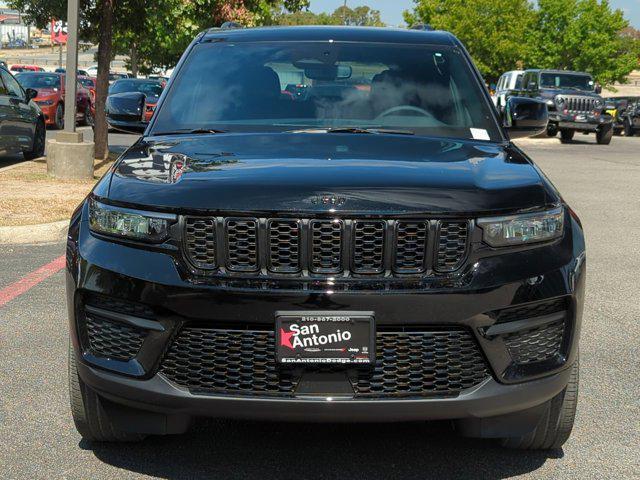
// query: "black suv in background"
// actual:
[[630, 117], [22, 125], [574, 103], [374, 250]]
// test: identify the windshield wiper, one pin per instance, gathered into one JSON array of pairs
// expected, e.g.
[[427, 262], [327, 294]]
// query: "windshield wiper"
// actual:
[[195, 131], [357, 130]]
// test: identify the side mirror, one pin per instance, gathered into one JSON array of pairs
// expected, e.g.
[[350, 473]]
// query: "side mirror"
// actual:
[[598, 89], [525, 117], [30, 94]]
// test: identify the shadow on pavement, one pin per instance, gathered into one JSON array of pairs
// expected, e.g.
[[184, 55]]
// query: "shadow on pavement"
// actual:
[[226, 449]]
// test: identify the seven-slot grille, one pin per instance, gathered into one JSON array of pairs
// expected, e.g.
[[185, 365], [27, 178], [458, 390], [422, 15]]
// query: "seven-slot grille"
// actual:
[[580, 104], [325, 247]]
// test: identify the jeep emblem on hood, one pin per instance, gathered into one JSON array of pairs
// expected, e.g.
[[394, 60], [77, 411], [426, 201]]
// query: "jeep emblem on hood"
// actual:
[[332, 200]]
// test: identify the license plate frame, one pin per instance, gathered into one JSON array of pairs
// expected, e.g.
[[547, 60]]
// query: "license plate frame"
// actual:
[[357, 350]]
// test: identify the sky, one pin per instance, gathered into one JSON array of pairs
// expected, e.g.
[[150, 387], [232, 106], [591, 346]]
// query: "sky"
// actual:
[[391, 10]]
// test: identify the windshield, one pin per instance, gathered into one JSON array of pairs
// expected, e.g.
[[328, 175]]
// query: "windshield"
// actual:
[[86, 82], [148, 88], [290, 86], [566, 80], [38, 80]]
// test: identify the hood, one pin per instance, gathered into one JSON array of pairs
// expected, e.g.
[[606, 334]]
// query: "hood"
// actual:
[[47, 92], [552, 92], [281, 172], [127, 103]]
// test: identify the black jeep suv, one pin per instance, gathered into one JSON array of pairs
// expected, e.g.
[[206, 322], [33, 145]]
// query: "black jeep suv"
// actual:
[[574, 103], [374, 250]]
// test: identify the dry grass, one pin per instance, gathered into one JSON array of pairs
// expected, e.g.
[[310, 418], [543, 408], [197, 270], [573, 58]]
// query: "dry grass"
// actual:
[[28, 196]]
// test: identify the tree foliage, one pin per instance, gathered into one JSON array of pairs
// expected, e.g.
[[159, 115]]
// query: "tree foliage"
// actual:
[[493, 32], [584, 35], [362, 16]]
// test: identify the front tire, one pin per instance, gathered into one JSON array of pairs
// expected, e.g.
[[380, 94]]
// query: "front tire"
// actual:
[[566, 135], [628, 128], [555, 425], [39, 139], [604, 135], [88, 120], [552, 130], [58, 119], [89, 416]]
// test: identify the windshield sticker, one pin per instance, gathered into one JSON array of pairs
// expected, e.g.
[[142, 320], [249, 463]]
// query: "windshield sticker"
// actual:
[[479, 134]]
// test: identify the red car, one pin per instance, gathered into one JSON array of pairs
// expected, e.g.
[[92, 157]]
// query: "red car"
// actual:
[[26, 68], [90, 84], [50, 99]]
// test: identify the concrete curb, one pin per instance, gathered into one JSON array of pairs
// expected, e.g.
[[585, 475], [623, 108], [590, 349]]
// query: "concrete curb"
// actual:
[[26, 234]]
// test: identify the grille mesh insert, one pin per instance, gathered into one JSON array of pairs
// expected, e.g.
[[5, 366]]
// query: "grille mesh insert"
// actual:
[[226, 361], [242, 250], [368, 247], [200, 239], [114, 340], [326, 246], [536, 344], [242, 362], [284, 246], [424, 363], [452, 245], [411, 244]]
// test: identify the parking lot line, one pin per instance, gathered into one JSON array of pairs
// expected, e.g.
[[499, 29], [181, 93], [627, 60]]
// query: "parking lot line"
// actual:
[[30, 280]]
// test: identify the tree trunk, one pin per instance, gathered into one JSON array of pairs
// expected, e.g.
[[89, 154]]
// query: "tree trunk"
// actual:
[[133, 58], [100, 135]]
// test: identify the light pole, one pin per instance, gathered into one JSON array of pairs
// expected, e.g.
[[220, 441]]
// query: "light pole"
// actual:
[[344, 13], [71, 80], [68, 155]]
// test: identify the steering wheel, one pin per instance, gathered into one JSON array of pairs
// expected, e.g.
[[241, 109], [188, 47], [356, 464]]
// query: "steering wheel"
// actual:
[[405, 108]]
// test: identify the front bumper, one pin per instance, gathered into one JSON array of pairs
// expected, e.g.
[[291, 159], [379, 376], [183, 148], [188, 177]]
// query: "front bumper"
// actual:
[[136, 125], [157, 280], [580, 122]]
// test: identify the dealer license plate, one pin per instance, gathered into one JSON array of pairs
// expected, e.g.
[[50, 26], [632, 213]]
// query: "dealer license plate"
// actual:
[[325, 337]]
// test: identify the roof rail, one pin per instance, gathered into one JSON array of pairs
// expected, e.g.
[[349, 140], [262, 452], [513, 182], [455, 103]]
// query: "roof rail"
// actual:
[[421, 26], [230, 25]]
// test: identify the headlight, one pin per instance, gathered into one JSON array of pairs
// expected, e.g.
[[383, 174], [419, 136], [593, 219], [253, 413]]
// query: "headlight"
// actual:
[[45, 102], [597, 103], [133, 224], [550, 103], [522, 229]]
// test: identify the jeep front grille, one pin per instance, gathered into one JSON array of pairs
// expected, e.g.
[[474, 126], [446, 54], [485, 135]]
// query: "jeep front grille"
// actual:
[[579, 104], [341, 247]]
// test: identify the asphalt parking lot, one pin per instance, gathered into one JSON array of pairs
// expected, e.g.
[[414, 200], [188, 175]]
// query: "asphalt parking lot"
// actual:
[[602, 183]]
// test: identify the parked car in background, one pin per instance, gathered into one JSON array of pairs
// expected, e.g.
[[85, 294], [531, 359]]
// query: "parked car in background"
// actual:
[[26, 68], [22, 123], [79, 71], [90, 84], [50, 98], [573, 100], [508, 83], [393, 257], [616, 107], [630, 117], [131, 102]]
